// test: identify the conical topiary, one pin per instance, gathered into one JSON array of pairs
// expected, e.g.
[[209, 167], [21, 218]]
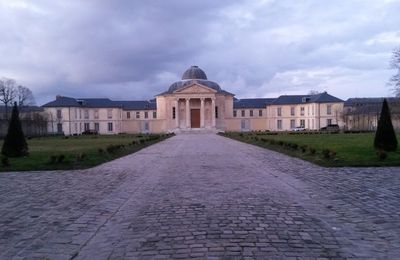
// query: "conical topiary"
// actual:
[[385, 137], [15, 144]]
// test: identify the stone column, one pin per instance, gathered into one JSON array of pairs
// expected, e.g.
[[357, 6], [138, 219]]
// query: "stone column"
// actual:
[[187, 112], [201, 112], [213, 112], [177, 112]]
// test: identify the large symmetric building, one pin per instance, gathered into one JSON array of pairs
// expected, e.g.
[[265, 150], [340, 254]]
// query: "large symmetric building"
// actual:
[[190, 104]]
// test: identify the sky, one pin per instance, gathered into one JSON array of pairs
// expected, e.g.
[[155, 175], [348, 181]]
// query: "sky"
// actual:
[[134, 50]]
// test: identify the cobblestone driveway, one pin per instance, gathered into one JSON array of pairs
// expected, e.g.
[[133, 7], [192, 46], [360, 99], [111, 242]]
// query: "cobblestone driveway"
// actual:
[[201, 195]]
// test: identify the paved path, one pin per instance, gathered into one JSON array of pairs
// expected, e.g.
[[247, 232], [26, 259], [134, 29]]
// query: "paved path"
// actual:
[[201, 195]]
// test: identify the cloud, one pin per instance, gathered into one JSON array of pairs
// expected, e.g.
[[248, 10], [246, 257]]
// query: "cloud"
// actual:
[[135, 50]]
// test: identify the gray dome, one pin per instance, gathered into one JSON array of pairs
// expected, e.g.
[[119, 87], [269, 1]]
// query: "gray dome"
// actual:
[[194, 72], [184, 83], [192, 76]]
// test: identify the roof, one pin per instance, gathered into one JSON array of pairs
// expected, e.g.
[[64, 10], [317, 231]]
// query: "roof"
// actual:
[[357, 106], [194, 72], [185, 83], [62, 102], [22, 109], [194, 75], [364, 101], [101, 103], [97, 102], [323, 97], [138, 105], [252, 102]]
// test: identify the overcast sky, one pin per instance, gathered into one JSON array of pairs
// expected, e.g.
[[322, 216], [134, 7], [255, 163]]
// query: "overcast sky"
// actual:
[[131, 50]]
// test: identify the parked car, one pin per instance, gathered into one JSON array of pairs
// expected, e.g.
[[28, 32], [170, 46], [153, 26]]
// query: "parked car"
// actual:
[[90, 132], [331, 128], [298, 129]]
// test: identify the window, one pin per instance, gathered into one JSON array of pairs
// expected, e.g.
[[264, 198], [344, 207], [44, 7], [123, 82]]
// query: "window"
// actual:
[[328, 121], [251, 113], [86, 126], [292, 111], [313, 110], [243, 113], [279, 124], [279, 111], [86, 113], [109, 113], [173, 113], [234, 113], [80, 114], [76, 127], [308, 111], [302, 111], [97, 127], [154, 114], [259, 112], [96, 114], [292, 123], [146, 114], [59, 128], [216, 112], [302, 123], [76, 113], [110, 127], [137, 114], [146, 126], [329, 109], [59, 115], [128, 115]]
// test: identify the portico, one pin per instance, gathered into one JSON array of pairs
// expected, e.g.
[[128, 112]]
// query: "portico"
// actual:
[[195, 111]]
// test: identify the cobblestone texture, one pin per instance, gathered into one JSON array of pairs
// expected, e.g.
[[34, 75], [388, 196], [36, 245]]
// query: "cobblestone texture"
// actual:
[[201, 196]]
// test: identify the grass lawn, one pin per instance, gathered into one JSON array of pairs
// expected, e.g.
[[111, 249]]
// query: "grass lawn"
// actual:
[[351, 149], [78, 151]]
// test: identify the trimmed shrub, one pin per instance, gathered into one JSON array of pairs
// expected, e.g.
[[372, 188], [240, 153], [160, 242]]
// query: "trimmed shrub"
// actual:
[[60, 158], [5, 161], [326, 153], [382, 155], [385, 137], [101, 151], [312, 150], [15, 144], [114, 148], [81, 156], [53, 159], [303, 148]]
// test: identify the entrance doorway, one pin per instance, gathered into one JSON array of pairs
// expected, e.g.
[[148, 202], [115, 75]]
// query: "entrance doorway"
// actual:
[[195, 118]]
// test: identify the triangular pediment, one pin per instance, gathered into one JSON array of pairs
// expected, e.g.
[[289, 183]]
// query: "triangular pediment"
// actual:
[[196, 89]]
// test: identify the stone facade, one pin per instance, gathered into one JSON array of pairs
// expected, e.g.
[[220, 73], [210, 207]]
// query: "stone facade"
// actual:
[[190, 104], [362, 114]]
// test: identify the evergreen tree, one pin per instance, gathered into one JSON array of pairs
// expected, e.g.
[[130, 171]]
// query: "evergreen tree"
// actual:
[[385, 137], [15, 144]]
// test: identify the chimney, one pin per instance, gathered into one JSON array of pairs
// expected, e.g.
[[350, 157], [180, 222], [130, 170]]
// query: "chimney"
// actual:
[[58, 97]]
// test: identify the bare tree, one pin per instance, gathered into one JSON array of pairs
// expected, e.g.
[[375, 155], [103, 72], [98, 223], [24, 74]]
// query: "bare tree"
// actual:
[[25, 96], [395, 79], [8, 93]]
